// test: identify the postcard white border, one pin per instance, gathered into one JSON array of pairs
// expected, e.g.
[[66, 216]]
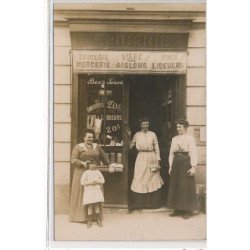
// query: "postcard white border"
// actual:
[[51, 243]]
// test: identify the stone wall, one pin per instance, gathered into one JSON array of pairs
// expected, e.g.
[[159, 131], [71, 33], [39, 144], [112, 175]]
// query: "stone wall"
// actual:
[[196, 95], [62, 120]]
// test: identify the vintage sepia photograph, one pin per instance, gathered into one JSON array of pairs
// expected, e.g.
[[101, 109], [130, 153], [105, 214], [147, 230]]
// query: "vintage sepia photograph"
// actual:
[[129, 121]]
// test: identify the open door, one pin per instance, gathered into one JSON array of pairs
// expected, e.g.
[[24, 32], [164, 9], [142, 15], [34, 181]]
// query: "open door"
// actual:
[[162, 100], [168, 116], [173, 102]]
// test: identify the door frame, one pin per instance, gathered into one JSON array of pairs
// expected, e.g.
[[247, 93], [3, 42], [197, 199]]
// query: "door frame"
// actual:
[[180, 107]]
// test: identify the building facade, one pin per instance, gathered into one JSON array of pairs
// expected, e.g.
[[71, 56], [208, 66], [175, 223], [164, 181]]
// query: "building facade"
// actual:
[[114, 63]]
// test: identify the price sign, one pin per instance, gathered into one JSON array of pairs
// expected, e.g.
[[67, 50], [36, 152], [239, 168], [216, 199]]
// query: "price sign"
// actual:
[[114, 128]]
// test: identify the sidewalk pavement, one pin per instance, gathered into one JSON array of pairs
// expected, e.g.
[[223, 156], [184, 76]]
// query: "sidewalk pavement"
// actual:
[[139, 225]]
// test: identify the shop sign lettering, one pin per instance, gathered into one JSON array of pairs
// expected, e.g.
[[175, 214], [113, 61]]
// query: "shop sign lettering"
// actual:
[[111, 105], [114, 117], [114, 128], [128, 62], [94, 107], [129, 40], [110, 81]]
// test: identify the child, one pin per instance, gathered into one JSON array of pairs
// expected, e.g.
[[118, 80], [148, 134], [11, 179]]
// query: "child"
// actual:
[[92, 180]]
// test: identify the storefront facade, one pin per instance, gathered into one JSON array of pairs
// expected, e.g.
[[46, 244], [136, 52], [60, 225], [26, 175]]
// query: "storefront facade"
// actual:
[[114, 64]]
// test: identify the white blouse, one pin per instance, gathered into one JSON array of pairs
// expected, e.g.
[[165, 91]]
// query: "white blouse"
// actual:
[[184, 143], [146, 141], [92, 175]]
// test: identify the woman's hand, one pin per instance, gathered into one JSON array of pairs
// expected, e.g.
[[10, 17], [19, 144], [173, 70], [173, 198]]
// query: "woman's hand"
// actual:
[[159, 165], [191, 171], [85, 164], [111, 168], [170, 170], [129, 132]]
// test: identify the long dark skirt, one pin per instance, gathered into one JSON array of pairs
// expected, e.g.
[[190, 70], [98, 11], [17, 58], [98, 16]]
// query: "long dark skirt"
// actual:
[[146, 200], [182, 194]]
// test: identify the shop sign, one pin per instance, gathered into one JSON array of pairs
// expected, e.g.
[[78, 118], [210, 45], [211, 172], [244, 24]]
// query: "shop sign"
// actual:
[[130, 41], [129, 62]]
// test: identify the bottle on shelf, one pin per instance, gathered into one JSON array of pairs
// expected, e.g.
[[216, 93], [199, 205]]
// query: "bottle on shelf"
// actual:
[[112, 157], [119, 158]]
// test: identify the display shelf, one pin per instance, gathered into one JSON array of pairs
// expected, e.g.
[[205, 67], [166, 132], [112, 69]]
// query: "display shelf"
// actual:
[[106, 170]]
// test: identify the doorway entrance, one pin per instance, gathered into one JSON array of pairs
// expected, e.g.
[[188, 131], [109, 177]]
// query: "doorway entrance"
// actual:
[[116, 102], [154, 97]]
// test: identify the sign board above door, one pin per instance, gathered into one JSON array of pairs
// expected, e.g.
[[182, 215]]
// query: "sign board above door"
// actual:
[[130, 41], [129, 61]]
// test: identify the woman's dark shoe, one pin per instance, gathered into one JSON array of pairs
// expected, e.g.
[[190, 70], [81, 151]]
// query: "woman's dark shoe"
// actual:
[[175, 213], [99, 223], [130, 210], [186, 215], [89, 224]]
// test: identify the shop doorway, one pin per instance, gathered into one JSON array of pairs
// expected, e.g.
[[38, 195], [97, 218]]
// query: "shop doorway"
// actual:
[[154, 97], [119, 101]]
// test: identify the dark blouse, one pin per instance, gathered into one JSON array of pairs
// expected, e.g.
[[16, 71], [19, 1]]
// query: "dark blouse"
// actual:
[[83, 152]]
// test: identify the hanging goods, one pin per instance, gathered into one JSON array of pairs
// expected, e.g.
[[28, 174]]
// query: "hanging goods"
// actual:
[[90, 121], [97, 127]]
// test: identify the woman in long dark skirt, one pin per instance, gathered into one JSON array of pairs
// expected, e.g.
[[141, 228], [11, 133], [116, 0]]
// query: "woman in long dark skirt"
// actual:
[[182, 163]]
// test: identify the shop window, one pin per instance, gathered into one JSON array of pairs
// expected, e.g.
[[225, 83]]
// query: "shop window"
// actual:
[[104, 114]]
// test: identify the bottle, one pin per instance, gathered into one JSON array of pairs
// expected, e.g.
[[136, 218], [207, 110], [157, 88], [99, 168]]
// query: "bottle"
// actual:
[[112, 157], [119, 158], [107, 154]]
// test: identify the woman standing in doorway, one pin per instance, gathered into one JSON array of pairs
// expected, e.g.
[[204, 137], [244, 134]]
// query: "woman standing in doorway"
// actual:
[[147, 181], [182, 163], [81, 154]]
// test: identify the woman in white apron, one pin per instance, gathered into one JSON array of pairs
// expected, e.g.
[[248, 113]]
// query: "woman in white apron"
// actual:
[[147, 182]]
